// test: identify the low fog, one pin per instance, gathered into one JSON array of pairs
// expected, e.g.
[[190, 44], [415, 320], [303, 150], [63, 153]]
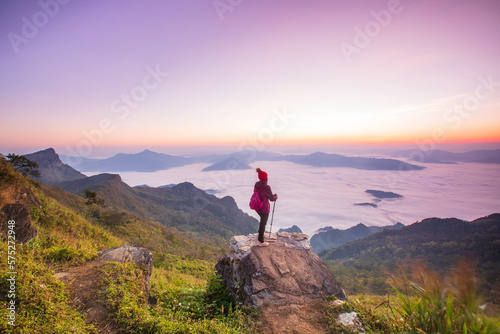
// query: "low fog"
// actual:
[[313, 197]]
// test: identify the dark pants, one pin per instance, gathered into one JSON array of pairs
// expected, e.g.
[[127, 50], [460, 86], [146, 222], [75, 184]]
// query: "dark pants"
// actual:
[[262, 226]]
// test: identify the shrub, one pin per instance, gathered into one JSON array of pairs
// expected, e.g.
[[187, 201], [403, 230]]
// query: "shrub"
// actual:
[[433, 304]]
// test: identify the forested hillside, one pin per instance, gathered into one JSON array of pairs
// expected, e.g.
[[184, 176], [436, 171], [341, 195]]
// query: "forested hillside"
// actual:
[[441, 243], [183, 206]]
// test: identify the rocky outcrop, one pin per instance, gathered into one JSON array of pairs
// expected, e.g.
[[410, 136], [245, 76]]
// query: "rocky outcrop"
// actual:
[[286, 272], [26, 197], [351, 321], [52, 169], [133, 254], [16, 218]]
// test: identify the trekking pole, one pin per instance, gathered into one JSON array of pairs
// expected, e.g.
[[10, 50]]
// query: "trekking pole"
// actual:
[[272, 216]]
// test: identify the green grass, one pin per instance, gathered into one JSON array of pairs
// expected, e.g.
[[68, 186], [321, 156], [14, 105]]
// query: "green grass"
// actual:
[[432, 303], [65, 239], [422, 302], [183, 303], [42, 300]]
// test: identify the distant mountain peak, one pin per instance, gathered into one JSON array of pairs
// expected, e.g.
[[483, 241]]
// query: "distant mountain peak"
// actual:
[[293, 229], [184, 185], [109, 177], [149, 152], [52, 169], [50, 150], [48, 153]]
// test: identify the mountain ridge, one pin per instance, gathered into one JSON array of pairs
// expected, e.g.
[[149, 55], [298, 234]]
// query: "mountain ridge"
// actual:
[[149, 161], [52, 169], [451, 238], [329, 237], [182, 206]]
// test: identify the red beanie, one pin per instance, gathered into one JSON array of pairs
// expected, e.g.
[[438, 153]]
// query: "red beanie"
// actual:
[[262, 174]]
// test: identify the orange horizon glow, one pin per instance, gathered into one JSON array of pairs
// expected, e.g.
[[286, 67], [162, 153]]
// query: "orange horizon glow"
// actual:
[[485, 138]]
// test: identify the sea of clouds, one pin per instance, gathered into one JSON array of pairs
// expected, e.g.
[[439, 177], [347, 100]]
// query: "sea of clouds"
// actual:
[[315, 197]]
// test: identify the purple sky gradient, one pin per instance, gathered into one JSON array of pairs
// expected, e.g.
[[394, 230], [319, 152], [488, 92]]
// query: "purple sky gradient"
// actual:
[[227, 77]]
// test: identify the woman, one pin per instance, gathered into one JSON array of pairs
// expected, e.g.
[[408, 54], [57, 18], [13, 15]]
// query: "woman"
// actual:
[[266, 195]]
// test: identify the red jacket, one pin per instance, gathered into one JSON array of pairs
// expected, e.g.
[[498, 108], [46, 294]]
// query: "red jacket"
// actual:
[[266, 195]]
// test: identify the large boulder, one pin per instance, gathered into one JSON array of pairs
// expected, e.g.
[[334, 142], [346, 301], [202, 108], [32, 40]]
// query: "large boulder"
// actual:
[[133, 254], [286, 272], [16, 218]]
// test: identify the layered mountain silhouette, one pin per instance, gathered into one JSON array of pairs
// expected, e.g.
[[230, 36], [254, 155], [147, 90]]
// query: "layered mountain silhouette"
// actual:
[[329, 237], [145, 161], [445, 157], [230, 163], [52, 169], [320, 159], [149, 161]]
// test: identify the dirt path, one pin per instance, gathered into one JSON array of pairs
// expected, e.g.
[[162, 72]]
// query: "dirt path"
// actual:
[[83, 285], [297, 319]]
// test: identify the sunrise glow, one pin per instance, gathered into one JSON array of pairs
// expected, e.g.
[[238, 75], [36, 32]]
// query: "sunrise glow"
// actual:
[[165, 74]]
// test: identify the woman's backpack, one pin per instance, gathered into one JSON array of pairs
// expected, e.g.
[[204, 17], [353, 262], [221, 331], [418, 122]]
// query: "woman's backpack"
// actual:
[[255, 202]]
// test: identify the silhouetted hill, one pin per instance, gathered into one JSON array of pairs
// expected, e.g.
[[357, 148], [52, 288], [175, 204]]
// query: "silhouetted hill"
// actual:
[[439, 242], [319, 159], [329, 237], [145, 161], [237, 161], [52, 169], [373, 205], [182, 206], [293, 229], [230, 163], [440, 156], [383, 194]]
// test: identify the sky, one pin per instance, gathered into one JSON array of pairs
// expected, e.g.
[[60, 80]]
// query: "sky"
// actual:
[[89, 76]]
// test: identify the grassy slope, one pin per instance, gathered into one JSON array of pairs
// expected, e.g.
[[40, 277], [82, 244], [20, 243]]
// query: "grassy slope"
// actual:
[[71, 234]]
